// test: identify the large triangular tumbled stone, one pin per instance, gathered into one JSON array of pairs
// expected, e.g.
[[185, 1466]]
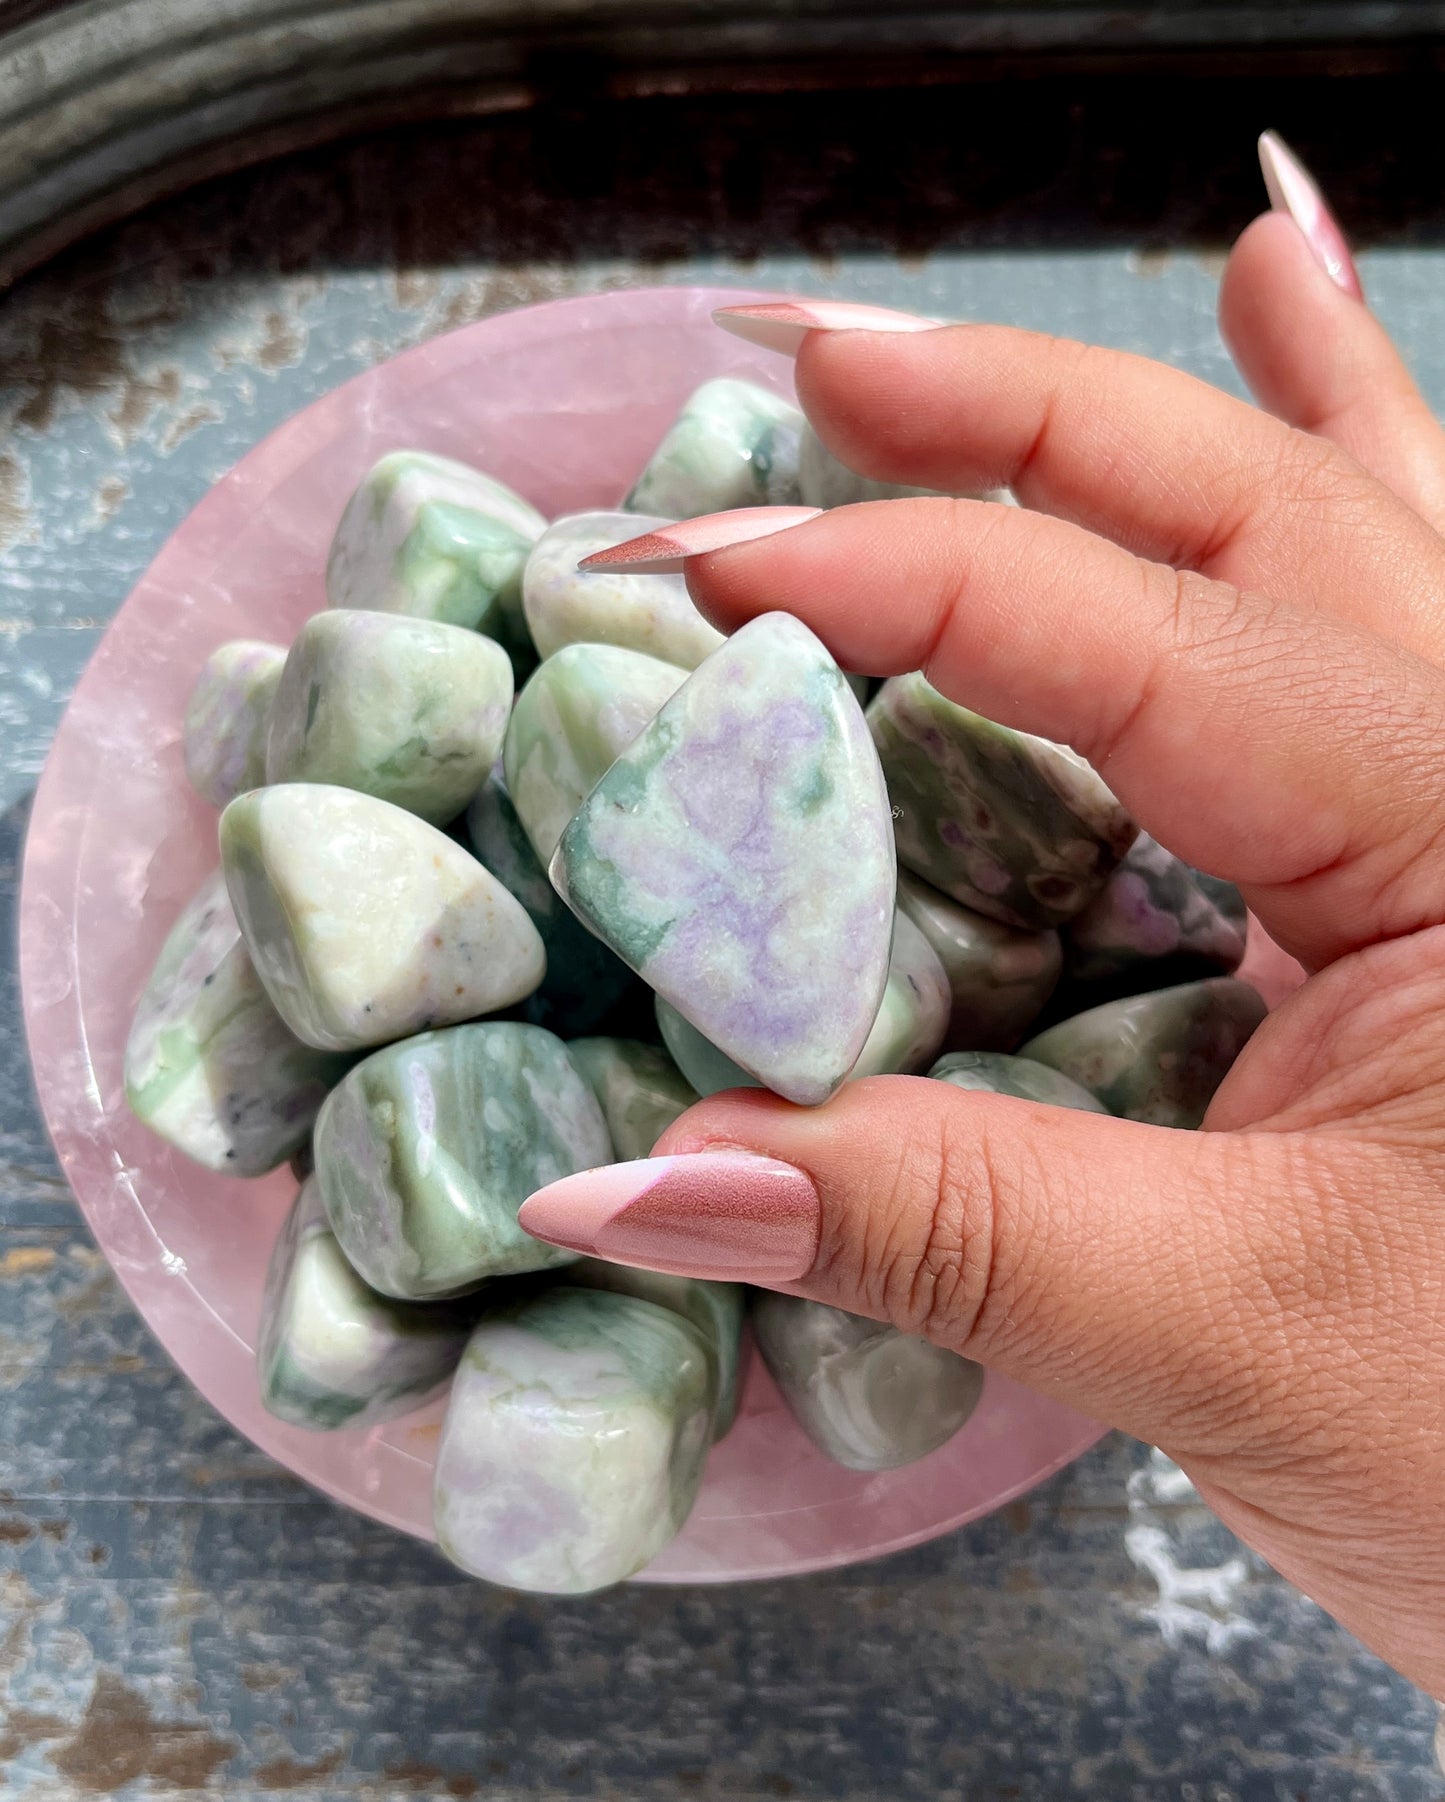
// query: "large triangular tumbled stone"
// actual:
[[739, 855]]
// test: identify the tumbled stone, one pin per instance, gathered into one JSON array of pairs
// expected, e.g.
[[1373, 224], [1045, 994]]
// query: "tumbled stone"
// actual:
[[585, 981], [704, 1067], [639, 1088], [739, 856], [365, 923], [408, 710], [999, 977], [649, 613], [574, 1441], [210, 1065], [734, 444], [436, 539], [224, 736], [868, 1396], [715, 1309], [575, 717], [332, 1352], [426, 1151], [908, 1029], [1155, 923], [1157, 1057], [1013, 826], [996, 1073]]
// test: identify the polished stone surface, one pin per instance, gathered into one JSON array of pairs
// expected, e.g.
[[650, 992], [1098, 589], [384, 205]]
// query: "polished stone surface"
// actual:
[[409, 710], [739, 857], [227, 719], [1157, 1057], [997, 1073], [428, 1148], [574, 718], [640, 1089], [365, 923], [704, 1067], [734, 444], [432, 537], [585, 982], [869, 1396], [334, 1353], [908, 1030], [574, 1440], [649, 613], [1013, 826], [210, 1065], [999, 977]]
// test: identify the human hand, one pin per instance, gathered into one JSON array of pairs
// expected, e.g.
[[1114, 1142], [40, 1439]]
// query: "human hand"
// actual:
[[1239, 620]]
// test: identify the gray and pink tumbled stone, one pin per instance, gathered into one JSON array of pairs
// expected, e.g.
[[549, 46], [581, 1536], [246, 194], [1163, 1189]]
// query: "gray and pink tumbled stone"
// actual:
[[739, 856], [227, 718]]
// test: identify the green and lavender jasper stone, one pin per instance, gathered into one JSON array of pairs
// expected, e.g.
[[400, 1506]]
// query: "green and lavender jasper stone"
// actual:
[[365, 923], [224, 736], [996, 1073], [585, 981], [1156, 922], [733, 445], [868, 1396], [332, 1352], [408, 710], [578, 713], [438, 540], [715, 1309], [426, 1151], [999, 977], [1157, 1057], [566, 605], [739, 856], [1013, 826], [908, 1029], [704, 1067], [210, 1065], [640, 1090], [574, 1441]]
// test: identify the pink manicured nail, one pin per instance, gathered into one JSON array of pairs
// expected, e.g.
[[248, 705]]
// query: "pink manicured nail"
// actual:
[[727, 1215], [1292, 190], [783, 324], [663, 553]]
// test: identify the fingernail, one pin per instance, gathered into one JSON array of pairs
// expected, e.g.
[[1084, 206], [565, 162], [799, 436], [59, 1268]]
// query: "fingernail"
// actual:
[[730, 1216], [783, 324], [663, 553], [1292, 190]]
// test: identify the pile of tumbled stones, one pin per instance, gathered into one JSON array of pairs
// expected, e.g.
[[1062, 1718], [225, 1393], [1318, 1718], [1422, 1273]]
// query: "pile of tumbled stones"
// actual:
[[464, 942]]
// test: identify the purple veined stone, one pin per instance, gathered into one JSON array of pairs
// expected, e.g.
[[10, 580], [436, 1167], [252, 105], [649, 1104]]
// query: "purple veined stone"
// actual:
[[227, 719]]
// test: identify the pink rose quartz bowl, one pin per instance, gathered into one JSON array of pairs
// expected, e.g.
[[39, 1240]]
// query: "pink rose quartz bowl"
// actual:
[[564, 402]]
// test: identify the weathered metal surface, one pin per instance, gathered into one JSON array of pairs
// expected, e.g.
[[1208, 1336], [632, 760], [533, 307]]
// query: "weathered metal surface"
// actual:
[[177, 1617]]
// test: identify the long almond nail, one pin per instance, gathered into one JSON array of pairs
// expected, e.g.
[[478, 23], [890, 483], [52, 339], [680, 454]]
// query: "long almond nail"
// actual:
[[664, 552], [1292, 190], [730, 1216], [783, 324]]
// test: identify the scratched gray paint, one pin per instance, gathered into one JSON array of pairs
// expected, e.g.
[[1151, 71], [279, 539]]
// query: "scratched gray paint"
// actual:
[[177, 1616]]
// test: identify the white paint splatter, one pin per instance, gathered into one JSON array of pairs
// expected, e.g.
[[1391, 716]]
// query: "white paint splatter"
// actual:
[[1195, 1603]]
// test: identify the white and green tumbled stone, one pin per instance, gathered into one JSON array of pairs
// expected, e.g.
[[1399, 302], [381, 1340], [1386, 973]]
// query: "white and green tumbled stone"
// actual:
[[649, 613], [734, 444], [739, 856], [640, 1089], [572, 720], [585, 982], [332, 1352], [715, 1309], [912, 1018], [227, 717], [1156, 922], [997, 1073], [364, 922], [436, 539], [868, 1396], [574, 1441], [999, 977], [408, 710], [210, 1065], [427, 1150], [1013, 826], [1157, 1057]]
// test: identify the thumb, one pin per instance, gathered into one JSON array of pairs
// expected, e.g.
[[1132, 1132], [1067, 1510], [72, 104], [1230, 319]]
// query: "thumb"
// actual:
[[1100, 1261]]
